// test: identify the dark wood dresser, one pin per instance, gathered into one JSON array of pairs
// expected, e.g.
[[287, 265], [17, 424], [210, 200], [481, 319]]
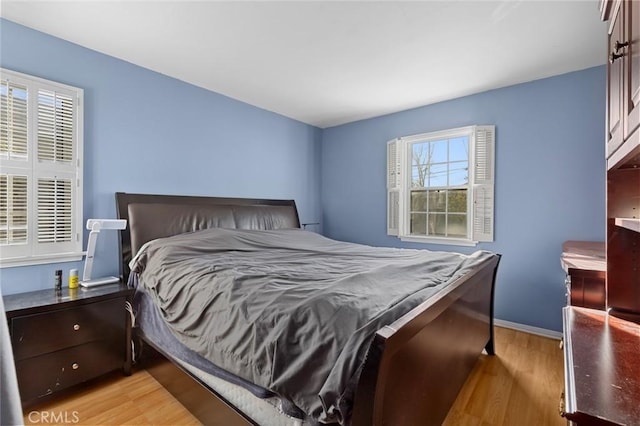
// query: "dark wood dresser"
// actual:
[[63, 339], [585, 266], [602, 368]]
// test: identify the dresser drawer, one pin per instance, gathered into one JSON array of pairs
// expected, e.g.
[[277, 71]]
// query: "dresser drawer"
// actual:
[[42, 375], [38, 334]]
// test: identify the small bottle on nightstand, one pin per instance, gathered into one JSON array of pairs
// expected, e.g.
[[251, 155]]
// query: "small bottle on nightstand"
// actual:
[[73, 278], [57, 283]]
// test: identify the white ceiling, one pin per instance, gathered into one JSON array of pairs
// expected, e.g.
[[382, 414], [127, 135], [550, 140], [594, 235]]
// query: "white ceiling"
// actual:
[[331, 62]]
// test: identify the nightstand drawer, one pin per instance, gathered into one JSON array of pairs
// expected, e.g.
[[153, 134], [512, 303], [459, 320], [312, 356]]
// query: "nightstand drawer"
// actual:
[[42, 375], [39, 334]]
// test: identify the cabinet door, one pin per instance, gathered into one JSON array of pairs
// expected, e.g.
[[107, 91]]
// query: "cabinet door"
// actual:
[[588, 288], [615, 83], [632, 67], [623, 245]]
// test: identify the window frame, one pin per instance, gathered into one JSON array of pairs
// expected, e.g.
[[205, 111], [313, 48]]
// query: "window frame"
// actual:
[[34, 252], [479, 198]]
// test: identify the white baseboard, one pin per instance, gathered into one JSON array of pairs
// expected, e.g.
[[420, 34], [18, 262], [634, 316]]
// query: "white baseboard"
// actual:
[[528, 329]]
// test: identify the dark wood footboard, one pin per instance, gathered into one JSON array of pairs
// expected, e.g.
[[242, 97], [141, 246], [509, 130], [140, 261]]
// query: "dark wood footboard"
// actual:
[[417, 365]]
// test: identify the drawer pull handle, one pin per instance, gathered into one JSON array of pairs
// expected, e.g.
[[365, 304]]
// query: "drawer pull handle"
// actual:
[[619, 45], [75, 366], [615, 56], [76, 327]]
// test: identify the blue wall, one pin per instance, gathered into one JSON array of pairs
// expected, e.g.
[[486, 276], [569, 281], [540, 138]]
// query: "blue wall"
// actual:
[[146, 132], [550, 181]]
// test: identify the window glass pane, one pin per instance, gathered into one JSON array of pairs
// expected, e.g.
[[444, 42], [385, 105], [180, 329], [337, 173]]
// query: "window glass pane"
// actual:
[[458, 173], [438, 151], [437, 201], [418, 224], [457, 200], [418, 175], [438, 175], [459, 149], [420, 152], [437, 224], [418, 201], [419, 164], [457, 225]]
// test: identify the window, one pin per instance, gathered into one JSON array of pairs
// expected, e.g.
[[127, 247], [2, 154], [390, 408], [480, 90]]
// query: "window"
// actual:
[[440, 186], [40, 170]]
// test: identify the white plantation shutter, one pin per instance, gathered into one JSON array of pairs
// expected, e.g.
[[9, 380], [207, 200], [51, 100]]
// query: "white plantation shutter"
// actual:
[[14, 179], [394, 186], [40, 183], [393, 164], [54, 210], [13, 120], [13, 209], [393, 211], [483, 183], [55, 127]]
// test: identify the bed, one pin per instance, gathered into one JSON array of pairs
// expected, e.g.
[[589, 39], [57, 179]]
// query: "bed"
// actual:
[[403, 364]]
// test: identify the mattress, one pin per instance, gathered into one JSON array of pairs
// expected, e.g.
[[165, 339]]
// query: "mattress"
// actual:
[[263, 411], [261, 405]]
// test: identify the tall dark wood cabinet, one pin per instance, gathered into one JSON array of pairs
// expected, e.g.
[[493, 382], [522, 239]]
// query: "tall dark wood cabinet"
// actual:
[[623, 158], [602, 366]]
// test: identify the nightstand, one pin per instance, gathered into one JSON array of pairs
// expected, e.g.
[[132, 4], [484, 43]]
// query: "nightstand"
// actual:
[[60, 340]]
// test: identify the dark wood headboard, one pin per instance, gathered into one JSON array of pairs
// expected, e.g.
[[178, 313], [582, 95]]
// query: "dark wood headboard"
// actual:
[[157, 216]]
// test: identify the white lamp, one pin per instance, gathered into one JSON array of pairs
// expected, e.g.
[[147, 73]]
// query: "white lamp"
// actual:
[[96, 225]]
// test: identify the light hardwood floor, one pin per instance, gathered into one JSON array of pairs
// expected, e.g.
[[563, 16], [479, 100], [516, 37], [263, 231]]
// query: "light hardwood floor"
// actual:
[[521, 386]]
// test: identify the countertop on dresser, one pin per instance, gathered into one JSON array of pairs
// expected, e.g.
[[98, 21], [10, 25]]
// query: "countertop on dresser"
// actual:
[[602, 367]]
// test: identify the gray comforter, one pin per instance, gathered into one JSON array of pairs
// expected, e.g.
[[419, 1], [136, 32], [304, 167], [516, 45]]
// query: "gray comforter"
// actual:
[[289, 310]]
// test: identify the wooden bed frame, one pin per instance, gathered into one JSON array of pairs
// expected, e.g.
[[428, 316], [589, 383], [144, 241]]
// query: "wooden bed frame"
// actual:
[[415, 366]]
